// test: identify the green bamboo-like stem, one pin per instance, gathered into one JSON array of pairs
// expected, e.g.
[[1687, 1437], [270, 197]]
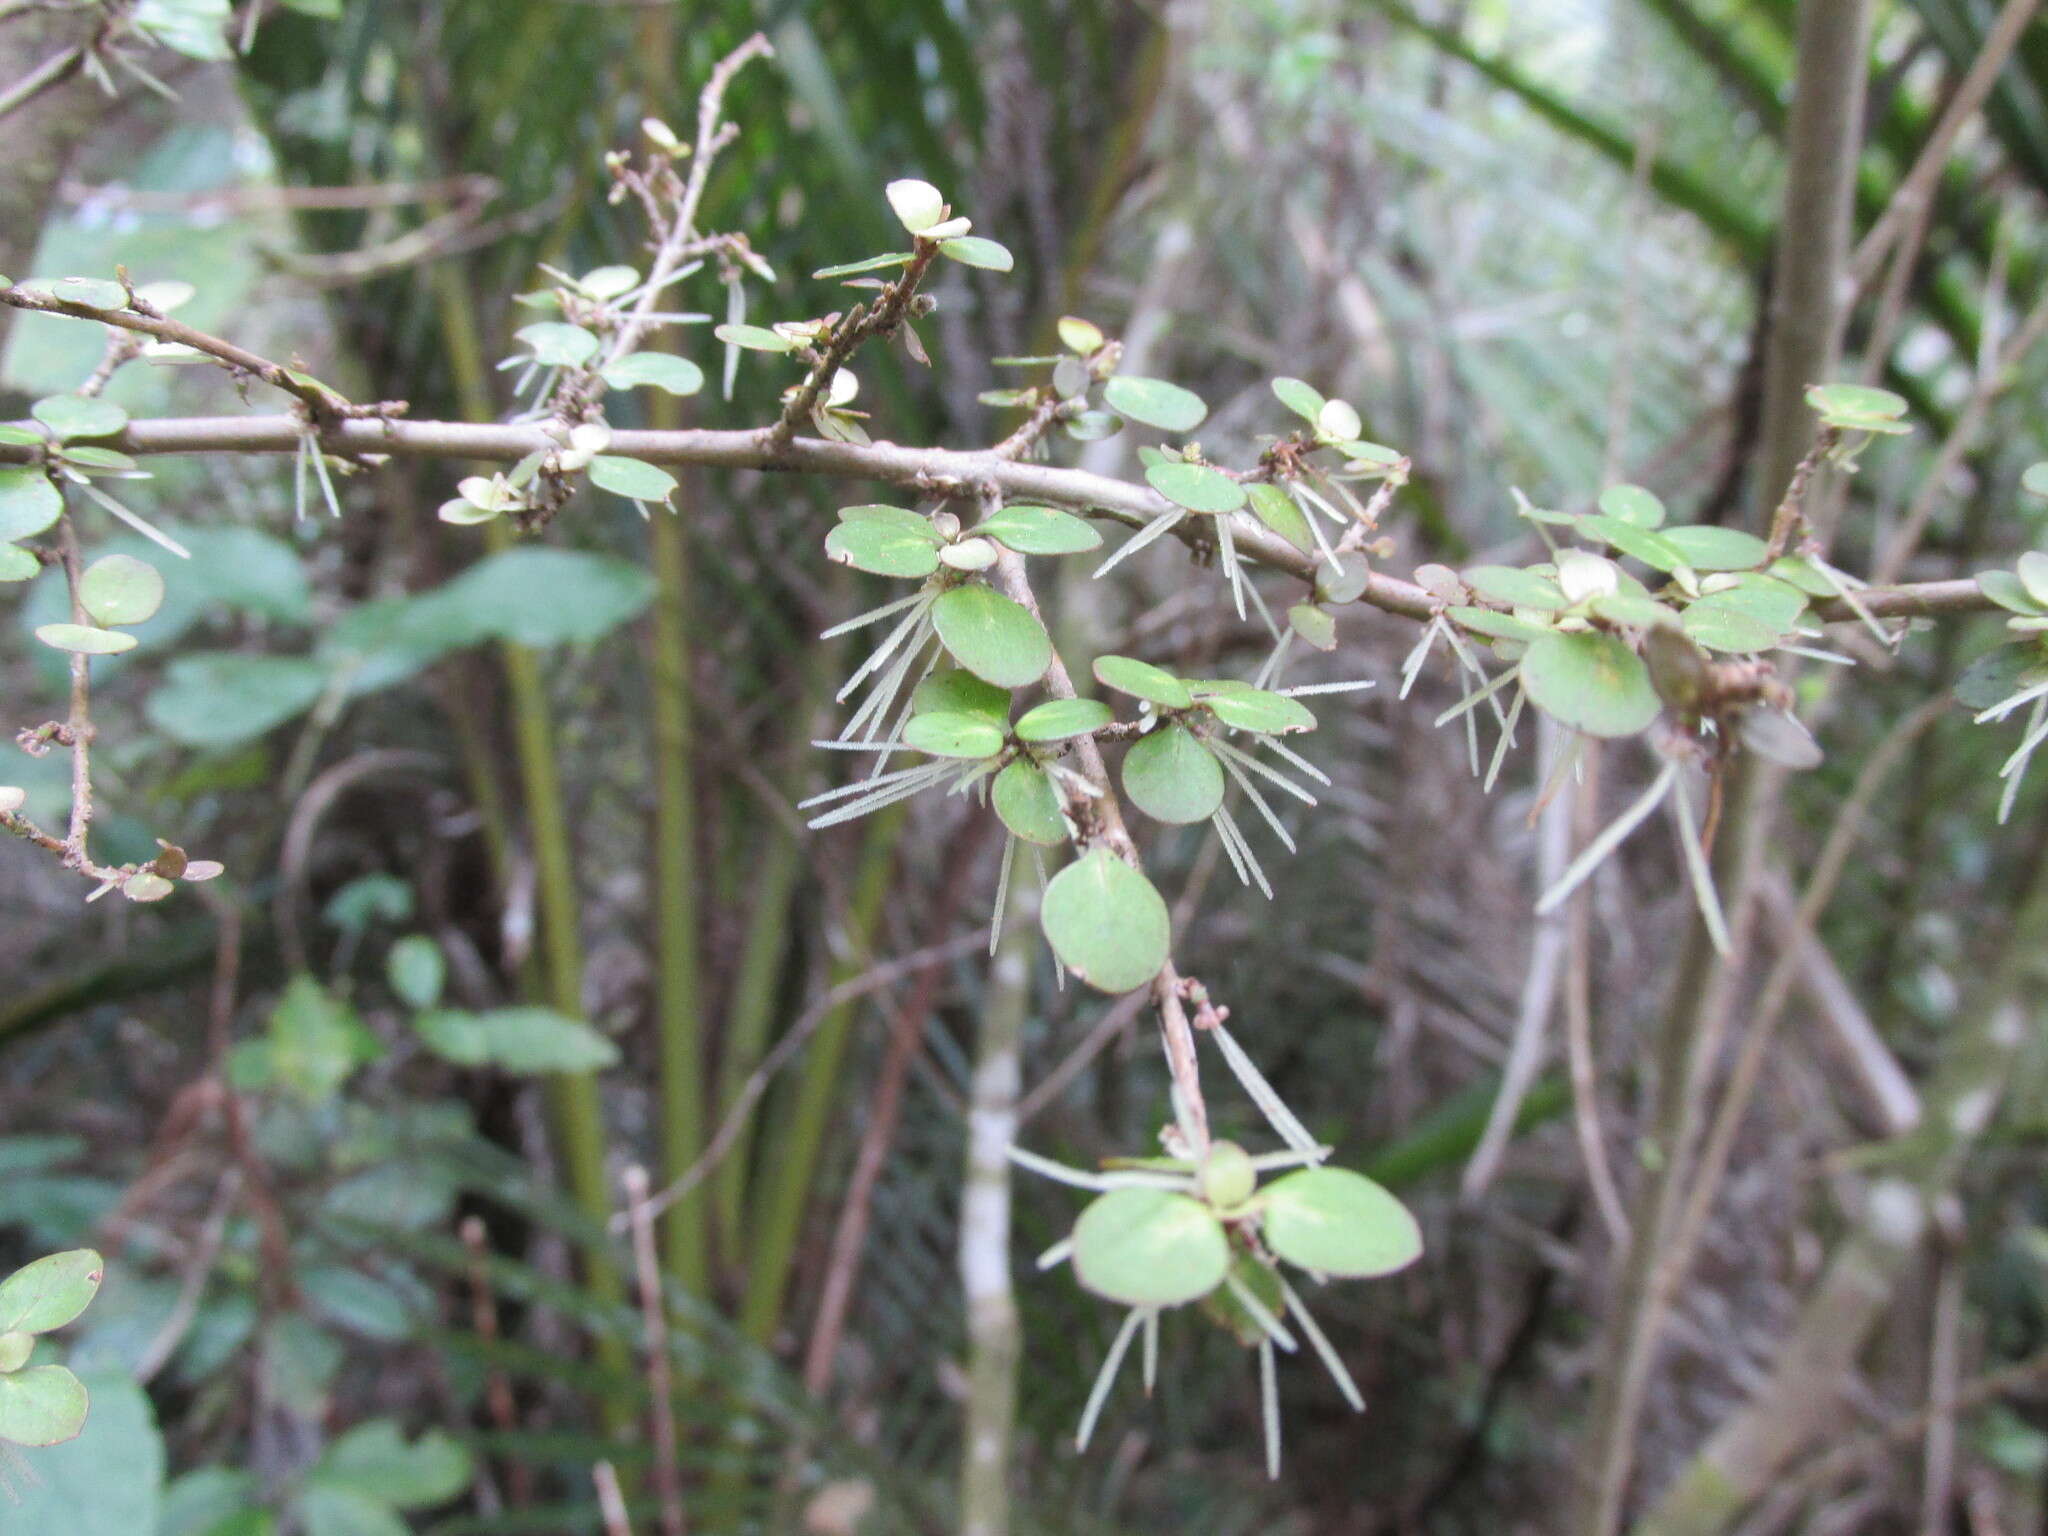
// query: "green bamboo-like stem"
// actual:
[[678, 977], [574, 1108], [1823, 139], [799, 1138], [679, 993], [773, 864]]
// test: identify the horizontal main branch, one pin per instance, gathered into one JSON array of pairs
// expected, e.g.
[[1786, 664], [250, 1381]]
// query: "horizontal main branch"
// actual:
[[917, 469]]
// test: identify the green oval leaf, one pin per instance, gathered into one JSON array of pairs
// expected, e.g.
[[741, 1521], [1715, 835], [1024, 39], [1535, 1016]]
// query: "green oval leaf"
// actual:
[[973, 251], [70, 416], [1106, 922], [2032, 570], [42, 1406], [1650, 548], [1591, 682], [1172, 777], [1197, 487], [556, 344], [1155, 402], [1337, 1222], [1706, 548], [2035, 479], [50, 1292], [997, 640], [955, 691], [1246, 708], [754, 338], [92, 292], [658, 370], [84, 640], [884, 549], [29, 503], [15, 1348], [1316, 626], [1496, 625], [1061, 719], [17, 564], [943, 733], [1300, 397], [1281, 513], [1855, 400], [120, 589], [515, 1040], [1149, 1248], [631, 479], [2007, 590], [223, 698], [1028, 803], [1516, 588], [1633, 505], [1142, 680], [1041, 531], [416, 970]]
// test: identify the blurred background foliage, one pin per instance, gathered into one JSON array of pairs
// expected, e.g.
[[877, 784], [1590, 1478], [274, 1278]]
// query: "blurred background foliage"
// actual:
[[1529, 239]]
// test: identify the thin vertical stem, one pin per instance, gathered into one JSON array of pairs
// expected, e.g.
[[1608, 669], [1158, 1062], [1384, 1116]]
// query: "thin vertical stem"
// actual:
[[668, 1486]]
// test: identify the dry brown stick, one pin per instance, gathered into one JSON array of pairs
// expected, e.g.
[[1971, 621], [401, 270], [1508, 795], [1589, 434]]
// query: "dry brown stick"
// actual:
[[668, 1485], [1743, 1077], [884, 1112], [483, 1317], [611, 1503], [793, 1041]]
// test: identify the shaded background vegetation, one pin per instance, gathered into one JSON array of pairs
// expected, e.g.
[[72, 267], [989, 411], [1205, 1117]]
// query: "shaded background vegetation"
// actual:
[[1529, 240]]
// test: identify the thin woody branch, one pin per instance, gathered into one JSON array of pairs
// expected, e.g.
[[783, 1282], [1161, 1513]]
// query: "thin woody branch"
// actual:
[[911, 468]]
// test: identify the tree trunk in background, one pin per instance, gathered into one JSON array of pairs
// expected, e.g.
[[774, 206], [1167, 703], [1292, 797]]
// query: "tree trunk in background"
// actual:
[[39, 138]]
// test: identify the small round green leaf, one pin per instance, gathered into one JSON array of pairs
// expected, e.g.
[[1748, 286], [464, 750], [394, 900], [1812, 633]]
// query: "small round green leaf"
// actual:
[[895, 517], [1246, 708], [1997, 675], [1798, 571], [754, 338], [416, 970], [956, 692], [1155, 402], [997, 640], [1041, 531], [1628, 608], [1228, 1177], [1633, 505], [1591, 682], [1496, 625], [15, 1348], [1197, 487], [72, 416], [42, 1406], [2007, 590], [1316, 626], [2033, 574], [1149, 1248], [676, 375], [1028, 803], [1337, 1222], [1142, 680], [884, 549], [1281, 513], [515, 1040], [1337, 422], [917, 204], [631, 479], [1061, 719], [50, 1292], [2035, 479], [84, 640], [1106, 922], [555, 344], [146, 886], [968, 554], [1721, 624], [973, 251], [945, 734], [1707, 548], [1304, 399], [1081, 337], [1346, 583], [17, 564], [1854, 400], [1516, 588], [1653, 549], [120, 589], [92, 292], [1172, 777]]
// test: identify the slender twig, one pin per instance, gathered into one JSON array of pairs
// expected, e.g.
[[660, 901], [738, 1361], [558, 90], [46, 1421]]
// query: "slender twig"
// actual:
[[793, 1041], [668, 1487], [52, 72], [611, 1501], [483, 1317]]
